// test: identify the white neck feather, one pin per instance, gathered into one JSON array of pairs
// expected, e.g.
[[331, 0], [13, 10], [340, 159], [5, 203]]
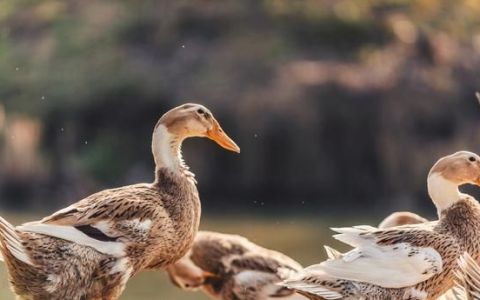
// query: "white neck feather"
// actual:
[[443, 192], [166, 149]]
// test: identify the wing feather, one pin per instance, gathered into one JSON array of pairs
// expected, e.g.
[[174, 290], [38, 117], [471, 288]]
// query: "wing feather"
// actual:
[[468, 275], [105, 221], [11, 242], [395, 265], [312, 288], [332, 253], [72, 234]]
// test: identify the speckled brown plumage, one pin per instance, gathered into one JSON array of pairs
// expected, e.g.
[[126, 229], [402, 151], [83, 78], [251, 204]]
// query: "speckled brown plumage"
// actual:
[[230, 267], [405, 218], [427, 251], [89, 250], [62, 270], [174, 210], [451, 237], [467, 282]]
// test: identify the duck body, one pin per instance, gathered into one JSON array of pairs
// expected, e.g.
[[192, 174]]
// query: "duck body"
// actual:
[[450, 237], [467, 283], [76, 272], [409, 262], [151, 226], [449, 242], [89, 250], [230, 267]]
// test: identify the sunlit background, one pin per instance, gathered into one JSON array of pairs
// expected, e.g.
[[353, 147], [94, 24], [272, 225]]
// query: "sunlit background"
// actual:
[[340, 108]]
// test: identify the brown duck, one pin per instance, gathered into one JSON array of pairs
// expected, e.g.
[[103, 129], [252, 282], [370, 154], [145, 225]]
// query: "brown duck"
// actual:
[[413, 262], [90, 249], [230, 267]]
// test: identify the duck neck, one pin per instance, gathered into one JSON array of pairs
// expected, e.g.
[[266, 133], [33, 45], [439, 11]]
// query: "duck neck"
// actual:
[[444, 193], [167, 152]]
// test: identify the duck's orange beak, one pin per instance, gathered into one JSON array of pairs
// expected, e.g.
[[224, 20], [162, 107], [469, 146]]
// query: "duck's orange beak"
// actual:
[[210, 278], [220, 137], [207, 274]]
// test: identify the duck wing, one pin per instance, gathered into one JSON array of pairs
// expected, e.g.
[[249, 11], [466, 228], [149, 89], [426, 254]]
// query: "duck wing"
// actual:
[[106, 221], [393, 258], [468, 278], [260, 263]]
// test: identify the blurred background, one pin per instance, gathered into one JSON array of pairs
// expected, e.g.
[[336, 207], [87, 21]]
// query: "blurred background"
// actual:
[[340, 108]]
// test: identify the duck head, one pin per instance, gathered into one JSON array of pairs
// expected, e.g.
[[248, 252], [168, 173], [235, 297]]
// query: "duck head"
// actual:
[[182, 122], [401, 218], [448, 174], [186, 275]]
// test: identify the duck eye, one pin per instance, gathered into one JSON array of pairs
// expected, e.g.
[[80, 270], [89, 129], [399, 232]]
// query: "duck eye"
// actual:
[[472, 159], [200, 111]]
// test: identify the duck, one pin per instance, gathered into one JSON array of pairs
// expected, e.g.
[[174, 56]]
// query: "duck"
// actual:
[[401, 218], [230, 267], [90, 249], [415, 262]]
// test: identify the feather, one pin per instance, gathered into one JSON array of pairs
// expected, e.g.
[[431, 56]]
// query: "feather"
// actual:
[[72, 234], [386, 266], [12, 243], [468, 274], [311, 288], [391, 266], [332, 253], [95, 233]]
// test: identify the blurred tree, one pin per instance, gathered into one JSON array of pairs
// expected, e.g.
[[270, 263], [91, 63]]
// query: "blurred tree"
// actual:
[[335, 103]]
